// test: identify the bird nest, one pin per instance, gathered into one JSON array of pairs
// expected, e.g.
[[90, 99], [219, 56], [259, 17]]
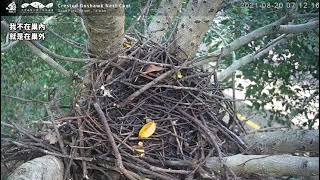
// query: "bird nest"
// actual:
[[188, 116]]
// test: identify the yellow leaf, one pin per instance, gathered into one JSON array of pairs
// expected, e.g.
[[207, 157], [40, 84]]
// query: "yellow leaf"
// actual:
[[127, 45], [147, 130], [248, 121], [178, 75]]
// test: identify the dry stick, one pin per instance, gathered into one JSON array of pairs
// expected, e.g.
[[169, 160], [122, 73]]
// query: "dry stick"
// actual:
[[72, 152], [20, 144], [205, 129], [23, 131], [150, 62], [229, 133], [84, 164], [177, 139], [145, 87], [112, 141], [148, 169], [154, 168], [60, 141], [69, 118]]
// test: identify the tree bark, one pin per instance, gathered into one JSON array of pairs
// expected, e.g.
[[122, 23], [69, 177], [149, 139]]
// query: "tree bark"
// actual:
[[290, 141], [194, 25], [105, 30], [159, 25], [46, 167], [271, 165]]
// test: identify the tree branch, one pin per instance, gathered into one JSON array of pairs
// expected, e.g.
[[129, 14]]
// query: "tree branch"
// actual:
[[68, 41], [289, 141], [48, 59], [8, 44], [271, 165], [243, 40], [249, 58], [22, 99], [299, 28], [308, 15], [272, 28], [42, 55], [58, 56]]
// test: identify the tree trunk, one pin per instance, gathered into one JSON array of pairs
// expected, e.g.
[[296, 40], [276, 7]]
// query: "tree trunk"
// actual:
[[166, 13], [105, 30], [194, 25], [46, 167]]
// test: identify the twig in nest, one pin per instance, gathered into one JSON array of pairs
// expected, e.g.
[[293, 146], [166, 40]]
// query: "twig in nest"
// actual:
[[68, 166], [34, 148], [177, 139], [145, 87], [84, 165], [212, 139], [29, 135], [150, 62], [154, 168], [60, 141], [112, 141]]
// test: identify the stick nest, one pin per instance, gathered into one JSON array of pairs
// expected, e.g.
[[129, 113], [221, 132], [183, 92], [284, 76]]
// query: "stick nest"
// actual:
[[193, 119]]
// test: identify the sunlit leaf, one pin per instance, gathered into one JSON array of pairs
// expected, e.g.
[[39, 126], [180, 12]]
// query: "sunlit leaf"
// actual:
[[147, 130], [127, 45], [179, 75]]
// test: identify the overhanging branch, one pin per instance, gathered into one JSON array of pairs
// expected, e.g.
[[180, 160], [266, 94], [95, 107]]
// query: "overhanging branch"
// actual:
[[48, 59], [249, 58], [275, 27], [58, 56], [299, 28]]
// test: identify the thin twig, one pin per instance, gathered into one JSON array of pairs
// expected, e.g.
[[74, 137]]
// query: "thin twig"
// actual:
[[113, 143], [60, 141]]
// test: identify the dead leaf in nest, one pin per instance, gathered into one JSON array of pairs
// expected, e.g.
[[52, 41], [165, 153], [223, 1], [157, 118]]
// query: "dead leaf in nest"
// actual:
[[51, 137], [139, 149], [152, 68], [147, 130], [178, 75], [127, 45]]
